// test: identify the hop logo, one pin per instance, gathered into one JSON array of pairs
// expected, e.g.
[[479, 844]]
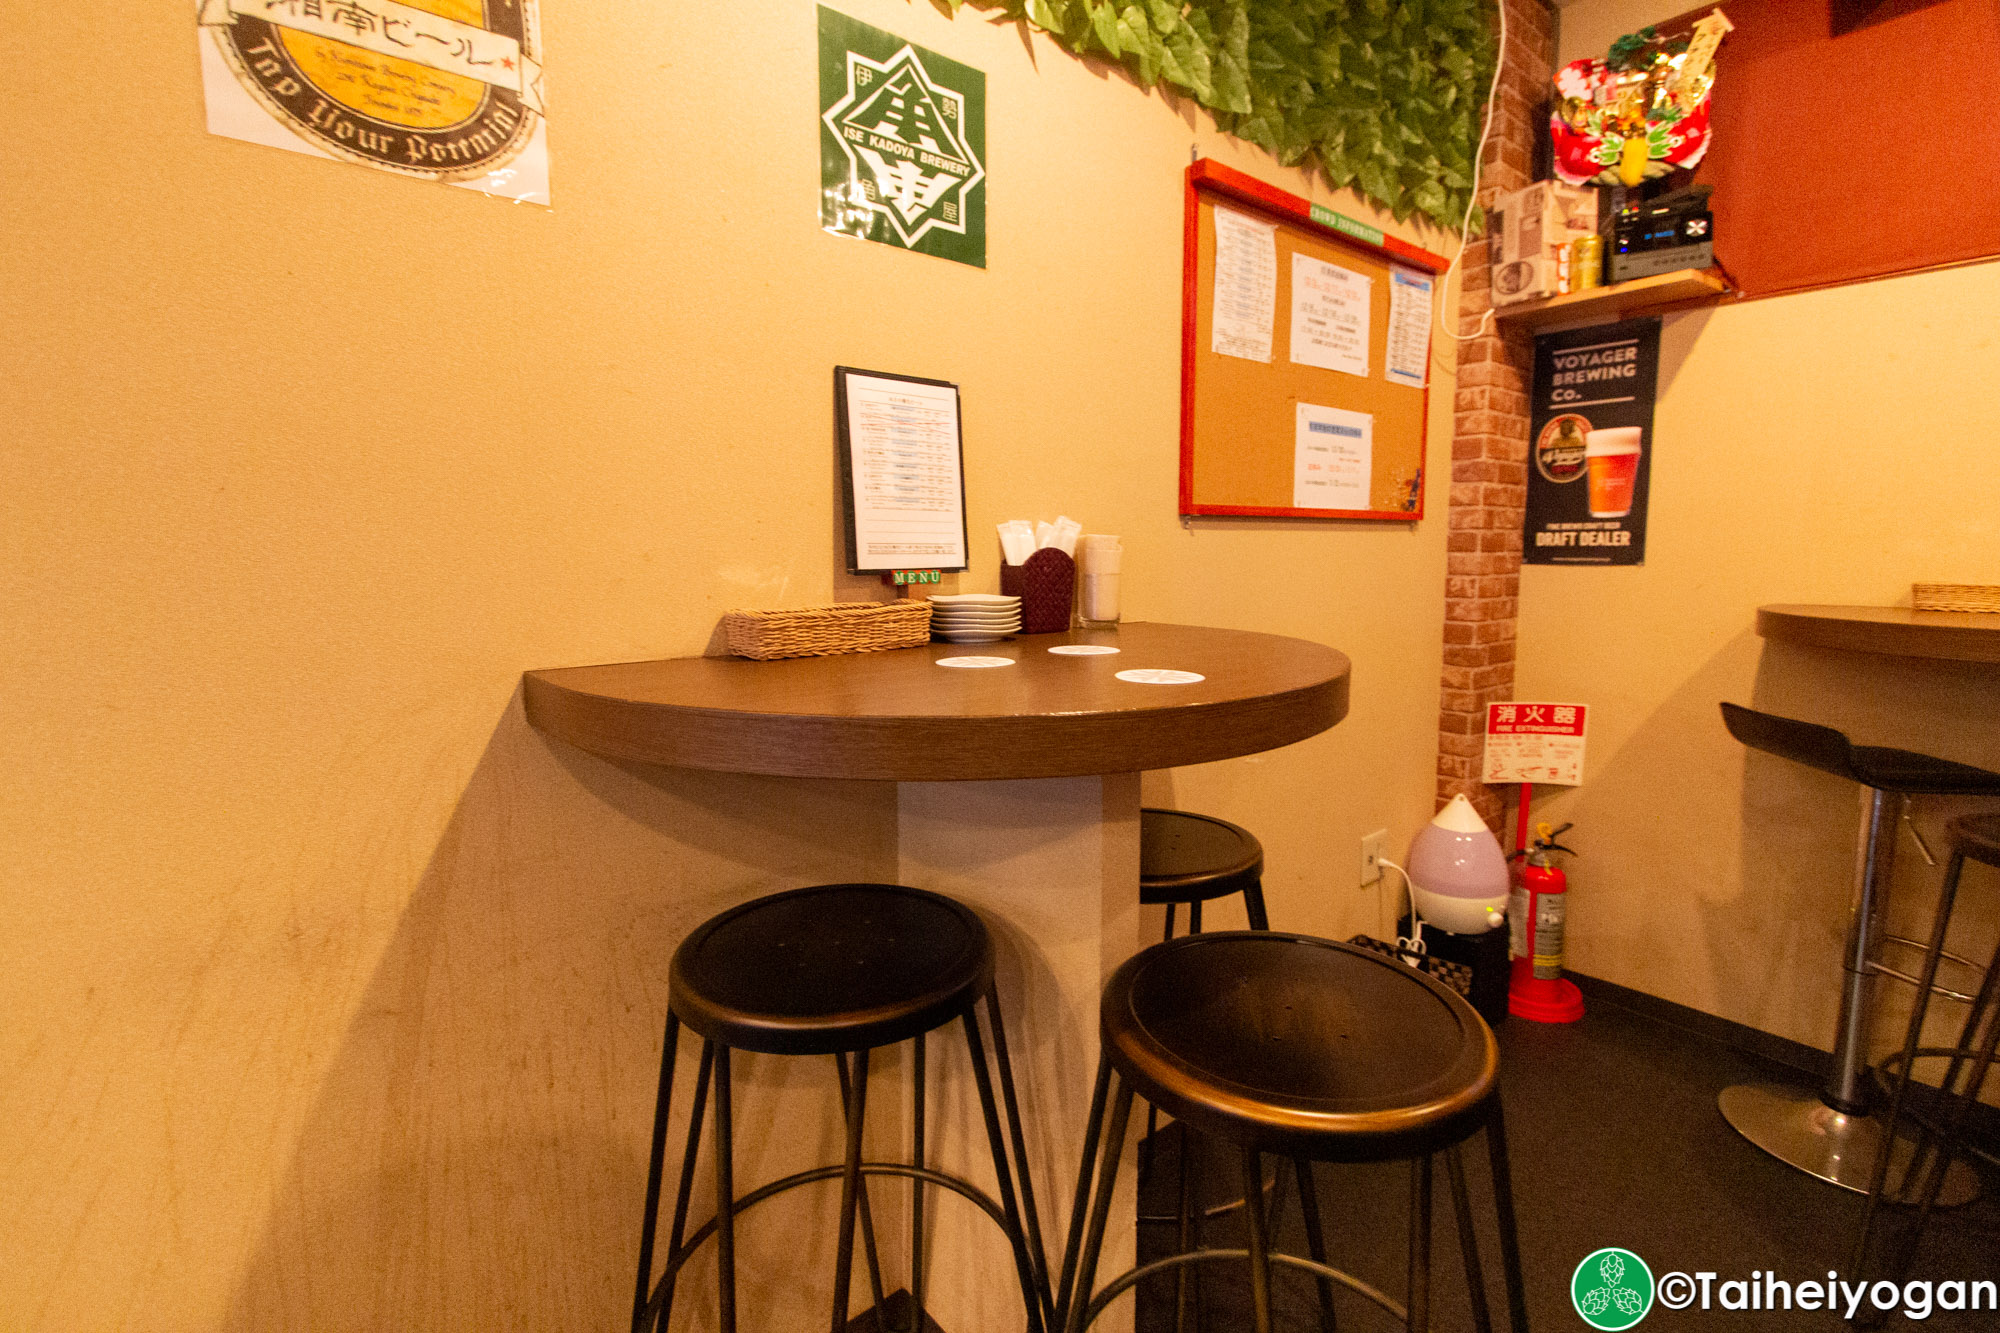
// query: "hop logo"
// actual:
[[1612, 1289]]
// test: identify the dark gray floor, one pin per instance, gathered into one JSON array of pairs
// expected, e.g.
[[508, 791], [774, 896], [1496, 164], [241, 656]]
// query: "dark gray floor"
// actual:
[[1615, 1140]]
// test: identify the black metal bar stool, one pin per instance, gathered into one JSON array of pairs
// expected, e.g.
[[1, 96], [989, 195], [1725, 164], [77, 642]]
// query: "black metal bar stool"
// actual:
[[1939, 1138], [1312, 1050], [1192, 859], [839, 970], [1829, 1133]]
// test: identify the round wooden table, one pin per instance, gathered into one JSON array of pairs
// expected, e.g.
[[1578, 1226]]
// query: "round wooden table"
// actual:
[[1896, 631], [1017, 793], [900, 717]]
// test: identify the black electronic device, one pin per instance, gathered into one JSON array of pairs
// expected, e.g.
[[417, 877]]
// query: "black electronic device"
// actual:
[[1664, 235]]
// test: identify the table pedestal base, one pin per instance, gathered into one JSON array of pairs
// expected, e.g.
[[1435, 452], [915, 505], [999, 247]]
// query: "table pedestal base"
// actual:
[[1052, 866]]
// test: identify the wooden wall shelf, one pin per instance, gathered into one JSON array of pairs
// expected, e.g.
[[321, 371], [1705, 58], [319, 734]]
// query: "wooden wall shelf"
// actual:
[[1641, 296], [1895, 631]]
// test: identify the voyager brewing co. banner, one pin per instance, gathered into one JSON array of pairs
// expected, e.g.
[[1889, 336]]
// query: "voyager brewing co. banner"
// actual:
[[1590, 444]]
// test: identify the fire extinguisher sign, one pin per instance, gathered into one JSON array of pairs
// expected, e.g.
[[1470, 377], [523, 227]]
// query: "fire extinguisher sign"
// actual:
[[1535, 743]]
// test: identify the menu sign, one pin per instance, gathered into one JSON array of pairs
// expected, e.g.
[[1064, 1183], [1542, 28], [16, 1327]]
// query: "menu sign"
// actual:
[[902, 471], [1534, 743], [1590, 445]]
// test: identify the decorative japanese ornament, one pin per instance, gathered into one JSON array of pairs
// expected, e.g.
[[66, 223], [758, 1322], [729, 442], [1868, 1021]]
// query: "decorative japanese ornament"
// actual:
[[1638, 113]]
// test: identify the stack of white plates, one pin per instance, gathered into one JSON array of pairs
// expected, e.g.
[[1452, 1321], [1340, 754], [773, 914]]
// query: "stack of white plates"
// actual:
[[975, 617]]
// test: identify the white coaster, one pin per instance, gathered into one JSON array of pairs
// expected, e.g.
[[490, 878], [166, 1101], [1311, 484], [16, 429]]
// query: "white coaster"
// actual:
[[1157, 676], [981, 662], [1083, 649]]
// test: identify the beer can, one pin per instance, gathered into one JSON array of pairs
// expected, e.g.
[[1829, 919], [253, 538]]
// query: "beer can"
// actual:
[[1586, 262]]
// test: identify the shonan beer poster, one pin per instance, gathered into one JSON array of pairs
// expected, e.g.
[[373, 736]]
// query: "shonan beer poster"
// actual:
[[1590, 444], [902, 143], [444, 90]]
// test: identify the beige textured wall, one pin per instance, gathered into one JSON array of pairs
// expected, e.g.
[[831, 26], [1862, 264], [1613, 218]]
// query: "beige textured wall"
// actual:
[[332, 992], [1828, 447]]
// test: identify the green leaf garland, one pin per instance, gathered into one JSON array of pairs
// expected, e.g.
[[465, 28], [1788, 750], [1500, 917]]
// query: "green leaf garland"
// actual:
[[1383, 95]]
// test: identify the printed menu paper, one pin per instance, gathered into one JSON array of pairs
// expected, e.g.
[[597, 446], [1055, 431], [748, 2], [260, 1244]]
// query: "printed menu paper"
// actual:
[[1409, 327], [1334, 458], [1535, 743], [1329, 316], [1246, 285], [909, 493]]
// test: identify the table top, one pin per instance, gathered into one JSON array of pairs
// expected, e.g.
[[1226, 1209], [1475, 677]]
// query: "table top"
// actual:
[[898, 716], [1897, 631]]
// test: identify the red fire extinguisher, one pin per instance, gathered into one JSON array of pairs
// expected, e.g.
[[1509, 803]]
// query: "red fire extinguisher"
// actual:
[[1537, 989]]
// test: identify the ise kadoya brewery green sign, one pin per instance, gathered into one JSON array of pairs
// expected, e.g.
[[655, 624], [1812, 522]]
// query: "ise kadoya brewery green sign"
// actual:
[[902, 143]]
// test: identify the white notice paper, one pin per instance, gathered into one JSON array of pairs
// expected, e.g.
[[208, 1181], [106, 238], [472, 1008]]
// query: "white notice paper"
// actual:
[[1334, 458], [1409, 327], [1246, 285], [1329, 316], [909, 499]]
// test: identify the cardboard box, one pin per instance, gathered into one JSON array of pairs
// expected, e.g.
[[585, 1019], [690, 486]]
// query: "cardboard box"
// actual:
[[1529, 236]]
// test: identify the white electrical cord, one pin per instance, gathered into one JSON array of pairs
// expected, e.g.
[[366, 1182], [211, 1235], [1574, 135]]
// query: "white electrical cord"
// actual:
[[1465, 228], [1415, 941]]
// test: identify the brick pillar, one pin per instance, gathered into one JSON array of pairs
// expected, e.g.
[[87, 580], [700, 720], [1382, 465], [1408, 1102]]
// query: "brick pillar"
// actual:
[[1489, 451]]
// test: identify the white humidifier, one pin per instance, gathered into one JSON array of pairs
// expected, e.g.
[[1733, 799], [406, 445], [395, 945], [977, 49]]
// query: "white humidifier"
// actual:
[[1458, 875]]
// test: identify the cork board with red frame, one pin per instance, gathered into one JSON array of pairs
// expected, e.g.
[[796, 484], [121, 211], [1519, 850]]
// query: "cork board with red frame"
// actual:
[[1239, 417]]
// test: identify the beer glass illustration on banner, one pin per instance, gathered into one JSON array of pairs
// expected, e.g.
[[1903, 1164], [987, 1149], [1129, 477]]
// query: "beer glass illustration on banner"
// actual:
[[1611, 458]]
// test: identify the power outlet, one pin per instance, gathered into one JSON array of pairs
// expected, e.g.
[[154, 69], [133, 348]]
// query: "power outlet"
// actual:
[[1371, 857]]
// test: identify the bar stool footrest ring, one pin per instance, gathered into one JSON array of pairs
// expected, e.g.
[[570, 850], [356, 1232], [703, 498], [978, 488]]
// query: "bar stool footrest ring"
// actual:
[[1878, 968], [1119, 1286], [964, 1188], [1885, 1081]]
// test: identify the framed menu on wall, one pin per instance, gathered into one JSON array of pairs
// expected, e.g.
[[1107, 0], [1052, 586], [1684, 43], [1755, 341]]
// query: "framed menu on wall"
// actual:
[[902, 471]]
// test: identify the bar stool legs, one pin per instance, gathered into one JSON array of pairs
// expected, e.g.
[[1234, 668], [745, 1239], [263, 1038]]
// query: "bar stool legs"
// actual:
[[1931, 1162], [1468, 1241], [1503, 1207], [1034, 1278], [1077, 1307], [653, 1303]]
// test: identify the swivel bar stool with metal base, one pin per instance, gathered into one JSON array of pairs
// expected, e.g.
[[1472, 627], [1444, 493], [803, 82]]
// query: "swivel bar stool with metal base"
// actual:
[[838, 970], [1312, 1050], [1967, 1064], [1830, 1133]]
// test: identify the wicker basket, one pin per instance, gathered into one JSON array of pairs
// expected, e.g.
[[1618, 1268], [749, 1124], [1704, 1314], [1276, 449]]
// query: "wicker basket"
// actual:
[[821, 631], [1955, 597]]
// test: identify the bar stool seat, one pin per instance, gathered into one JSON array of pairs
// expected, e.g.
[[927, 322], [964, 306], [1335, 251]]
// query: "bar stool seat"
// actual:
[[839, 970], [1193, 859], [1904, 772], [1830, 1133], [1305, 1048], [1967, 1063]]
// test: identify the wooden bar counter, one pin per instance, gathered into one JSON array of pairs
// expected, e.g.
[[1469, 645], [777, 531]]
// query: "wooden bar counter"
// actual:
[[1017, 792], [899, 717], [1895, 631]]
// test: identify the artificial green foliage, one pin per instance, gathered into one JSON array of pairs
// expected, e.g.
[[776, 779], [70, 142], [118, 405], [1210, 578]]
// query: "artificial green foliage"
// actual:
[[1641, 50], [1382, 96]]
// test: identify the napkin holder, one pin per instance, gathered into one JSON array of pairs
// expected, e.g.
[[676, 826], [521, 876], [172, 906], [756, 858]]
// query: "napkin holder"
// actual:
[[1046, 584]]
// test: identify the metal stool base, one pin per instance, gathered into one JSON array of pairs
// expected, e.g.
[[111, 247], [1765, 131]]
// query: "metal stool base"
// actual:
[[1799, 1129]]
